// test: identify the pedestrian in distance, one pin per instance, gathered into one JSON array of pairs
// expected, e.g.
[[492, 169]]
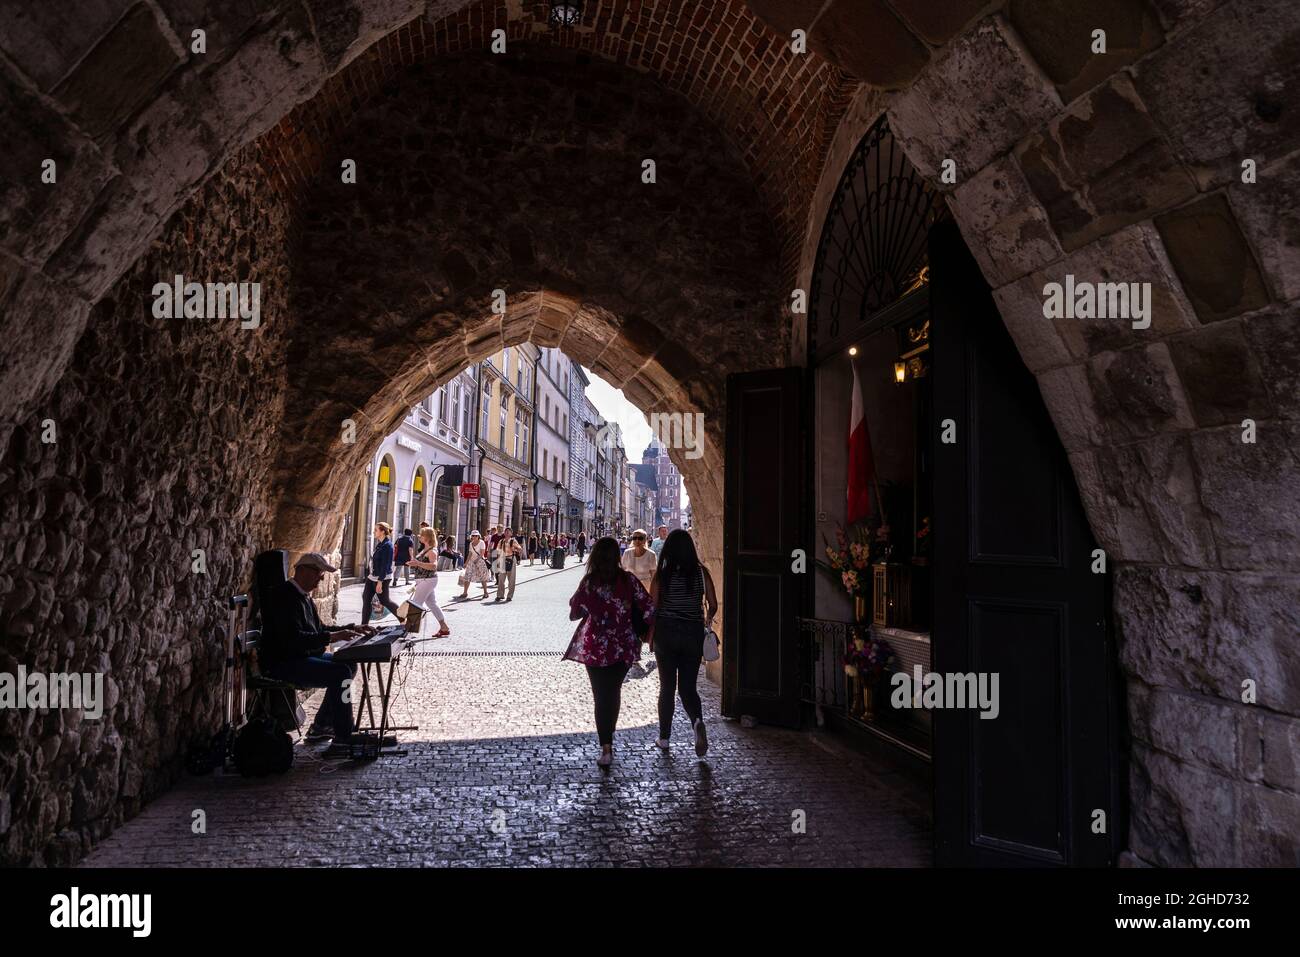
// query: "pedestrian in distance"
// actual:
[[423, 595], [681, 588], [613, 611], [381, 569], [582, 545], [476, 571], [639, 559], [403, 547], [505, 564], [532, 548]]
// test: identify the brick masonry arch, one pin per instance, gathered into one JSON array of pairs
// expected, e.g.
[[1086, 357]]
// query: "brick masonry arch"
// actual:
[[1066, 163], [475, 174]]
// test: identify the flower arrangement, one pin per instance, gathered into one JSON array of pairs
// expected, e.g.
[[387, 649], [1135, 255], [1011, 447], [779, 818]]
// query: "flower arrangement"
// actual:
[[867, 657], [851, 557]]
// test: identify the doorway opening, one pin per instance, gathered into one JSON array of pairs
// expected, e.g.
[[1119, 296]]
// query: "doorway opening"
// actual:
[[955, 551], [526, 438]]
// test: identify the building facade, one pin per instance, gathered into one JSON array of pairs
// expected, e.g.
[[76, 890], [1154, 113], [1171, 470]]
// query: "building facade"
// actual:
[[669, 481], [646, 492], [551, 456], [406, 481], [581, 440], [504, 446]]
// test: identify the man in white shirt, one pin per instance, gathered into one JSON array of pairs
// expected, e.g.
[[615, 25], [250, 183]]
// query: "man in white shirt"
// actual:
[[658, 543]]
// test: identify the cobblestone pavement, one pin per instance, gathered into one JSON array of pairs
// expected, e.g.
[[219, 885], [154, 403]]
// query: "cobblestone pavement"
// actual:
[[502, 772]]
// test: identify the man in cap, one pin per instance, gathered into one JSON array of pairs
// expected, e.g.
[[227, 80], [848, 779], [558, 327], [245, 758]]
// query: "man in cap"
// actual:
[[292, 647]]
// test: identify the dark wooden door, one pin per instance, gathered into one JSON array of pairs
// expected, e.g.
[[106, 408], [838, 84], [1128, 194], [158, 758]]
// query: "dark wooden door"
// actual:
[[763, 505], [1015, 595], [348, 547]]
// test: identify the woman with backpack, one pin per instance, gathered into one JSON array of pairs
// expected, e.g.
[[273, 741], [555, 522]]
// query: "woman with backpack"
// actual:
[[614, 613], [680, 589]]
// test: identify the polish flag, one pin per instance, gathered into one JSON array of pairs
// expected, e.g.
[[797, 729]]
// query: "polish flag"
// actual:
[[862, 470]]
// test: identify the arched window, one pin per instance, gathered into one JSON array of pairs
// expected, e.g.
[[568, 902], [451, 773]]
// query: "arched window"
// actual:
[[417, 498], [873, 244], [384, 491]]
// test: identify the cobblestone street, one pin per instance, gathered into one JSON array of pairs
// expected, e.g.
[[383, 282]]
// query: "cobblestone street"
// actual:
[[502, 772]]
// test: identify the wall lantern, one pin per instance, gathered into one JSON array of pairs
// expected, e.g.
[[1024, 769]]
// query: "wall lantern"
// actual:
[[914, 342], [853, 350], [566, 14]]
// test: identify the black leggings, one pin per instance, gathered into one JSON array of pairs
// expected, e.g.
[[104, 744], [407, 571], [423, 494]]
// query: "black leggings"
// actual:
[[679, 646], [368, 597], [607, 690]]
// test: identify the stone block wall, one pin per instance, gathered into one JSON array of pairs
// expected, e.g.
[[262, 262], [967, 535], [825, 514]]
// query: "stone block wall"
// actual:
[[164, 431], [1128, 168]]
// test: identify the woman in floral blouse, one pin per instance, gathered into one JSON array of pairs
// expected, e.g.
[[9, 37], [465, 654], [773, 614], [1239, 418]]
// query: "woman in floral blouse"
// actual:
[[612, 606]]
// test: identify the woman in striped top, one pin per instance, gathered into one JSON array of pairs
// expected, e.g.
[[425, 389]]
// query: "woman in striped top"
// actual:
[[680, 589]]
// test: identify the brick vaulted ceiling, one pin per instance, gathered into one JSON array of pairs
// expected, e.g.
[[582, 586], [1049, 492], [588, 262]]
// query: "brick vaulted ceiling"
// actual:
[[777, 109]]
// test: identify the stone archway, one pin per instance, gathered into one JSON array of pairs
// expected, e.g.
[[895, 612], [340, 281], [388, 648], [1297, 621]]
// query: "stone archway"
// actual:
[[660, 289], [1125, 171], [1064, 164]]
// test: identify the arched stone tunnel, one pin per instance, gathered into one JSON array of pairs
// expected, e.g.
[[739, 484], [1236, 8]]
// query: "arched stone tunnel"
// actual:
[[521, 171]]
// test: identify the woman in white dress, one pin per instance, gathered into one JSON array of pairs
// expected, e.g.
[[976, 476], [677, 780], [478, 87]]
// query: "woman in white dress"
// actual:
[[640, 560], [425, 565], [476, 570]]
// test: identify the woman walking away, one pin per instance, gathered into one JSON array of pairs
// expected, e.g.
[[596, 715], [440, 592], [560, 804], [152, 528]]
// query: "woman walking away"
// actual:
[[639, 559], [612, 606], [381, 569], [582, 545], [425, 563], [476, 567], [532, 548], [680, 588]]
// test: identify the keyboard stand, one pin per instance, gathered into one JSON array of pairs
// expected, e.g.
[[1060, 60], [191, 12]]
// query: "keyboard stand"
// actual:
[[383, 688]]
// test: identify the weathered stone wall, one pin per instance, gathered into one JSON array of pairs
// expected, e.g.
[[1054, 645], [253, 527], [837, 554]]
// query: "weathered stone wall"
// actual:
[[164, 437], [1128, 168]]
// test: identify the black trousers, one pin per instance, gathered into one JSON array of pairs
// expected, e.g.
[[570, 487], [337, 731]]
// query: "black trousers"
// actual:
[[368, 597], [679, 647], [607, 690]]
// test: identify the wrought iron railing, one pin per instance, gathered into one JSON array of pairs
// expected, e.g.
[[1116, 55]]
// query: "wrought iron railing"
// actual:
[[822, 644]]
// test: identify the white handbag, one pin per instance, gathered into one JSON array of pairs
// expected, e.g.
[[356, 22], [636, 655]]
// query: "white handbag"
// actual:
[[711, 652]]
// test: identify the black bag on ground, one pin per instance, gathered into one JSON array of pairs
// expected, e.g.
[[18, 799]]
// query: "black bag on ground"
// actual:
[[262, 748]]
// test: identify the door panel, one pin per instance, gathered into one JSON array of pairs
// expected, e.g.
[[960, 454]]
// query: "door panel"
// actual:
[[1014, 594], [762, 517]]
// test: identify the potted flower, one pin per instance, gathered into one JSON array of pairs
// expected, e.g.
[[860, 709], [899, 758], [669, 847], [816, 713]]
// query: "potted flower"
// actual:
[[866, 659]]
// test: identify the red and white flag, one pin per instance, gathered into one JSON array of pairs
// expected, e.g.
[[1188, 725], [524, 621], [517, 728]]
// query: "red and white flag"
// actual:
[[862, 470]]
